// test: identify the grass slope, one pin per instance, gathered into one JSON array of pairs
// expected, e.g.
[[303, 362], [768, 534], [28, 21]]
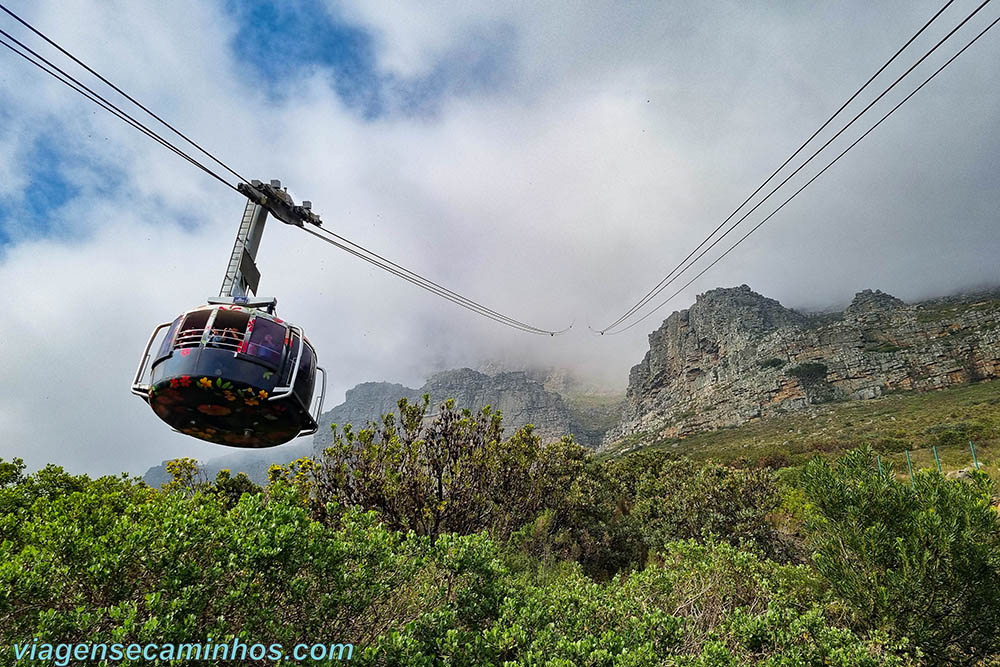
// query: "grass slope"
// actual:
[[948, 418]]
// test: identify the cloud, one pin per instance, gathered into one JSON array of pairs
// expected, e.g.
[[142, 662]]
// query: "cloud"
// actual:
[[552, 164]]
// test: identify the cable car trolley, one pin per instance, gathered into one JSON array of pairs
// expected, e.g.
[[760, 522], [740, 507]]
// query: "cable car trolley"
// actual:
[[231, 371]]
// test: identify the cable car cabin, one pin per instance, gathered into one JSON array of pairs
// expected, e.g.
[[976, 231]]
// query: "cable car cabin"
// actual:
[[234, 375]]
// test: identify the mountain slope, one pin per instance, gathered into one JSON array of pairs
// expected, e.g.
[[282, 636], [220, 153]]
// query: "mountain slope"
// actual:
[[736, 356]]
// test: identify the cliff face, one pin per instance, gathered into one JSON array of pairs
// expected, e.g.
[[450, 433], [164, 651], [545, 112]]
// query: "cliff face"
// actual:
[[735, 356]]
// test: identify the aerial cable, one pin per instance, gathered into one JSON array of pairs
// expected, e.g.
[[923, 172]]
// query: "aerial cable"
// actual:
[[68, 80], [436, 286], [363, 253], [120, 91], [61, 75], [669, 280], [424, 283], [809, 182], [664, 282]]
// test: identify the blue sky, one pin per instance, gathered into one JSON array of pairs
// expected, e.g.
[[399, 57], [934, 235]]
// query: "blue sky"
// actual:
[[281, 40], [277, 44]]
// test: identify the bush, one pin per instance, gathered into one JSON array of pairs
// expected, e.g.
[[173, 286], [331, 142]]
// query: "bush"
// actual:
[[113, 560], [117, 561], [694, 605], [773, 362], [959, 434], [455, 473], [809, 373], [688, 500], [923, 562]]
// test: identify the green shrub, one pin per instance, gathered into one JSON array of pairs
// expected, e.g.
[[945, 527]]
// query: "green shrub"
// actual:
[[688, 500], [959, 434], [923, 562], [117, 561], [892, 444], [773, 362], [810, 372]]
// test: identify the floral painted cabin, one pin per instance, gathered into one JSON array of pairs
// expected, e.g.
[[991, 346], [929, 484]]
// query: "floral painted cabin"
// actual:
[[234, 375]]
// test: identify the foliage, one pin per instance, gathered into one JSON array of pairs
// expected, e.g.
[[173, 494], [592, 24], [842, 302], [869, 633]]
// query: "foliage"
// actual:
[[117, 561], [810, 372], [959, 435], [682, 499], [435, 541], [922, 561], [230, 489], [185, 474], [455, 473], [11, 472], [773, 362], [696, 605]]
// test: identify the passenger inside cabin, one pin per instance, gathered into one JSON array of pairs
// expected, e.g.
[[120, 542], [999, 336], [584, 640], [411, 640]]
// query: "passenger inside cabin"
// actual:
[[269, 349], [231, 337]]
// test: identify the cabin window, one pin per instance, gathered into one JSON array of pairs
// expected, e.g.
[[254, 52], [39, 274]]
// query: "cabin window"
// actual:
[[228, 329], [192, 329], [307, 372], [168, 340], [293, 350], [267, 341]]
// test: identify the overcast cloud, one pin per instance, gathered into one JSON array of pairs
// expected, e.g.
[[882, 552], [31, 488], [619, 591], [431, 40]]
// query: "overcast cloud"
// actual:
[[551, 160]]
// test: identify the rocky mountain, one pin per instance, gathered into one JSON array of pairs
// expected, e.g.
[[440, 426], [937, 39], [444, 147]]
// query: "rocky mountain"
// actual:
[[736, 356], [522, 400]]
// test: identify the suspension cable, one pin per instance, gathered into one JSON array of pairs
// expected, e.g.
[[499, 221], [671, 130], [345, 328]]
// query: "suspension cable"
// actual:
[[120, 91]]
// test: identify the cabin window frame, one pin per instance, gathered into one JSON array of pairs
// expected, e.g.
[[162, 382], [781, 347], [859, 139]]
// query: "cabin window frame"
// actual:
[[166, 348]]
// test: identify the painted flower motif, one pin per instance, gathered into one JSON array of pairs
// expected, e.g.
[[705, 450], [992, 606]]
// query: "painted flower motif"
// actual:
[[185, 352], [174, 383], [185, 380], [262, 394], [205, 383], [205, 434], [230, 396], [252, 401], [214, 410], [168, 398]]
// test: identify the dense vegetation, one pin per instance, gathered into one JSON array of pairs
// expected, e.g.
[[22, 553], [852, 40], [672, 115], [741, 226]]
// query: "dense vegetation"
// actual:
[[436, 541]]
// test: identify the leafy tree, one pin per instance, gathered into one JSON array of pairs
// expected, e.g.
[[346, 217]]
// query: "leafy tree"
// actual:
[[809, 373], [230, 489], [185, 475], [922, 561], [11, 472], [452, 473]]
